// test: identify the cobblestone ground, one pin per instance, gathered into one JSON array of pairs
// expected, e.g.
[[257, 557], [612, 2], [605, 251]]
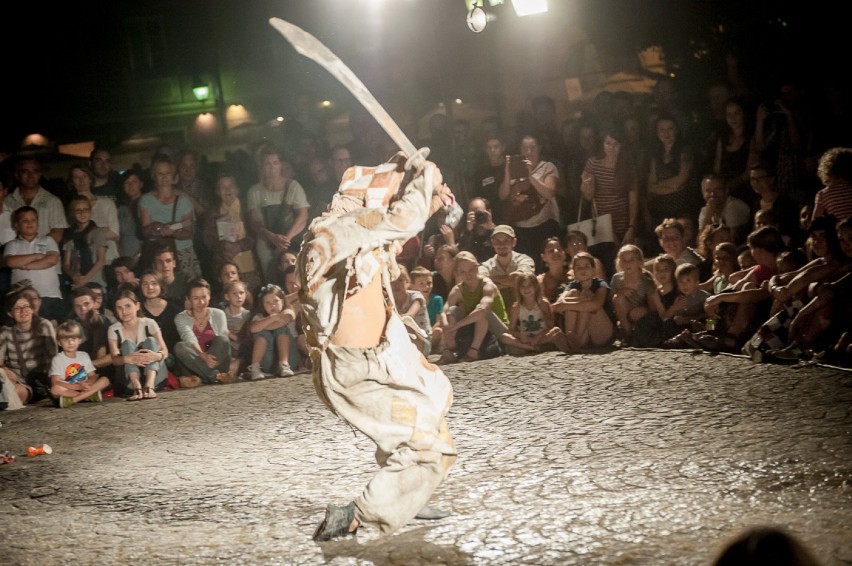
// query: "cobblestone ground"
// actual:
[[632, 457]]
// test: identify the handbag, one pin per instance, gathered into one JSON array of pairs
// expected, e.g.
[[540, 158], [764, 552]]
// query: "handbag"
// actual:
[[598, 228], [152, 246]]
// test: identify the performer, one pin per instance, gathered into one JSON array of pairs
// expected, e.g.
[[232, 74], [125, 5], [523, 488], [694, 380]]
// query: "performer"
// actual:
[[365, 367]]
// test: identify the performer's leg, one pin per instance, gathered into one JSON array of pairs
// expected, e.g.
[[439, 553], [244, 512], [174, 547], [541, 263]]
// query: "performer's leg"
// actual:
[[414, 446]]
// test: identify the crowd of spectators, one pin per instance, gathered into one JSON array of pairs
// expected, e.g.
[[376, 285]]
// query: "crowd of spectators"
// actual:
[[728, 233]]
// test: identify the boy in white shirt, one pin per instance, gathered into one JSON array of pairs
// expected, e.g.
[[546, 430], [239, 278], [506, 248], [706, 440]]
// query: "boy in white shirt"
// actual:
[[36, 258], [73, 377]]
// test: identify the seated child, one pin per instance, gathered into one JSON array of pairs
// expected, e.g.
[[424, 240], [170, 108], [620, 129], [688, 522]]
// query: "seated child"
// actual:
[[237, 315], [586, 306], [531, 326], [421, 280], [664, 267], [271, 337], [687, 311], [73, 377], [300, 349], [411, 306]]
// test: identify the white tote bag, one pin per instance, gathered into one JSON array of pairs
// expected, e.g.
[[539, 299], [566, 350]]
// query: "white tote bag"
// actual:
[[598, 229]]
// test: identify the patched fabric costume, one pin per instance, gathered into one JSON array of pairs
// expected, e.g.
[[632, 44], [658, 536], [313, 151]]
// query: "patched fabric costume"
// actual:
[[389, 392]]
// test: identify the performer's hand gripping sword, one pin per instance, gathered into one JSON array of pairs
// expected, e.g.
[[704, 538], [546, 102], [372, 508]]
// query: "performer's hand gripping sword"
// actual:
[[312, 48]]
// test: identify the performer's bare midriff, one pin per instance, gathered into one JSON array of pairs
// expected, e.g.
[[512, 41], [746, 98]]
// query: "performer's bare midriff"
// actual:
[[363, 318]]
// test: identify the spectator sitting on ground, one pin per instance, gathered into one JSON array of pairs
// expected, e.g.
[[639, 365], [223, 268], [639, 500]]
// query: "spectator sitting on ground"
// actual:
[[474, 315], [73, 377], [750, 296], [158, 308], [444, 273], [93, 331], [506, 264], [835, 172], [411, 306], [273, 342], [822, 324], [586, 306], [299, 355], [830, 264], [635, 299], [27, 347], [724, 266], [203, 354], [531, 323], [137, 344], [174, 282], [555, 276], [670, 235], [663, 268], [687, 311], [576, 242], [720, 208]]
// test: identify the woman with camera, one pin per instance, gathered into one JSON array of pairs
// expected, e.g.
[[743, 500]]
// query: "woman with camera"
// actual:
[[528, 198]]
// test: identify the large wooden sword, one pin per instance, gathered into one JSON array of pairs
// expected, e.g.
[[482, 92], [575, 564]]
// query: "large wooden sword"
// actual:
[[312, 48]]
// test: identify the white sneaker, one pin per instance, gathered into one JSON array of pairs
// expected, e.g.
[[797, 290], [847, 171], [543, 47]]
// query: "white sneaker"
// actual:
[[284, 370], [255, 372]]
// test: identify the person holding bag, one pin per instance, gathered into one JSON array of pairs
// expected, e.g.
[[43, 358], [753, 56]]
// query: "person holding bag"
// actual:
[[166, 217], [610, 181], [529, 199], [277, 207]]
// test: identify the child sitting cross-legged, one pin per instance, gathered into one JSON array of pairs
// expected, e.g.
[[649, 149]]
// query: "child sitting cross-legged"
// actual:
[[687, 312], [531, 326], [236, 294], [73, 377]]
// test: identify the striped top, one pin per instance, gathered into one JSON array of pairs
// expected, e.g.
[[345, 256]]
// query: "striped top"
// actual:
[[610, 198], [835, 199], [37, 346]]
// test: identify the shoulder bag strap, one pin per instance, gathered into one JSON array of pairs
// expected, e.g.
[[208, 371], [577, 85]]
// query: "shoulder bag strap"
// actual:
[[174, 208]]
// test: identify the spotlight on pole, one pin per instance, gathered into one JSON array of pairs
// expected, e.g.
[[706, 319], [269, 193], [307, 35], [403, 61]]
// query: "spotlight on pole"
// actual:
[[477, 18]]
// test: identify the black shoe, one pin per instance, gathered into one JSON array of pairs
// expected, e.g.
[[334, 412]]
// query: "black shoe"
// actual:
[[431, 513], [336, 522]]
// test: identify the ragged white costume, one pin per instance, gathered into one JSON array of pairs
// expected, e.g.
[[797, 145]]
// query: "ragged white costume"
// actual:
[[387, 390]]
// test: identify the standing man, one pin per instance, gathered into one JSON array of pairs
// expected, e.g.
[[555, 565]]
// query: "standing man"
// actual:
[[107, 182], [365, 367], [51, 213]]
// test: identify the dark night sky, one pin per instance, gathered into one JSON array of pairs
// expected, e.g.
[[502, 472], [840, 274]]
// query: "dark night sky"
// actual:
[[70, 42]]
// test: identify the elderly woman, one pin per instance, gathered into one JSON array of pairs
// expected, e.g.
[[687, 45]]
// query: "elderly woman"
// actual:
[[278, 208], [203, 354]]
